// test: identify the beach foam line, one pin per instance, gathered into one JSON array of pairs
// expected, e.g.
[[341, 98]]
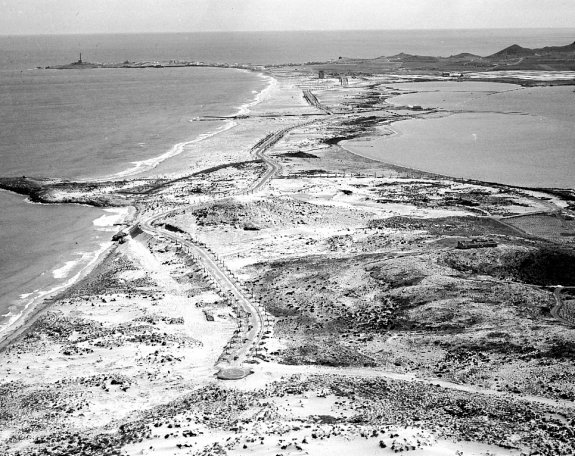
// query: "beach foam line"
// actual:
[[151, 163], [87, 260], [7, 326], [104, 223], [262, 95], [64, 271], [142, 166], [117, 215], [10, 311]]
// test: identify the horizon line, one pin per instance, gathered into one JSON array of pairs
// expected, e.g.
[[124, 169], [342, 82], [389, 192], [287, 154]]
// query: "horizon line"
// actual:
[[282, 31]]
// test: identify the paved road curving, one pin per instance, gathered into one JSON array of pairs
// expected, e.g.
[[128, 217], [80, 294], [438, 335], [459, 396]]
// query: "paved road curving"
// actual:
[[228, 285], [246, 341]]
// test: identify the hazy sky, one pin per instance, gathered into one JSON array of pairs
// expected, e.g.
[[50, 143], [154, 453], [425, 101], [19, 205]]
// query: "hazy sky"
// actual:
[[115, 16]]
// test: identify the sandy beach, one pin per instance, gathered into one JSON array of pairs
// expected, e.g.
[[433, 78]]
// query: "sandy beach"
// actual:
[[334, 285]]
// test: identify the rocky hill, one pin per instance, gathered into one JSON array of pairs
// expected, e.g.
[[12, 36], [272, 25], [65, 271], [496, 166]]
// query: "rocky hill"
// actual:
[[549, 51], [514, 57]]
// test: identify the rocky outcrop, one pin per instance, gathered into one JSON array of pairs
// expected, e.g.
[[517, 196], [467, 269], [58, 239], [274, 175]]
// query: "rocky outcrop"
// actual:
[[57, 191]]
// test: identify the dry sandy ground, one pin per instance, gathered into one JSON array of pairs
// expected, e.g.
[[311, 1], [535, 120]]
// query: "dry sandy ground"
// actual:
[[153, 336]]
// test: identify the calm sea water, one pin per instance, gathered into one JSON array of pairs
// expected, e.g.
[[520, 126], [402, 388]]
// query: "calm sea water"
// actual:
[[99, 122], [80, 123], [267, 47]]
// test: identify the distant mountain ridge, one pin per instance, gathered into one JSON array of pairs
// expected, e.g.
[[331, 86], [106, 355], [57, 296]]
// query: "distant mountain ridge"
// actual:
[[512, 51], [512, 58], [517, 51]]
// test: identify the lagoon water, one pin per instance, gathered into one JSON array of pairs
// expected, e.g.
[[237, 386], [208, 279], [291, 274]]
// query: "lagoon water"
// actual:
[[94, 123], [494, 132]]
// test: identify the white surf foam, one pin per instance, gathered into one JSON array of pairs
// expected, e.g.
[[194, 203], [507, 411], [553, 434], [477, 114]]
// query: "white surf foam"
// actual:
[[142, 166], [67, 273], [87, 261], [106, 222], [151, 163], [112, 217], [64, 271], [264, 94]]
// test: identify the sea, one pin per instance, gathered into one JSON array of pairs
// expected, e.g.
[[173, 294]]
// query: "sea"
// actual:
[[98, 123]]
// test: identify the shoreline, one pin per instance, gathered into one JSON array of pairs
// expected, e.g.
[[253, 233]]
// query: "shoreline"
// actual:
[[35, 306], [149, 164], [13, 330], [382, 139], [555, 191], [228, 125], [31, 312]]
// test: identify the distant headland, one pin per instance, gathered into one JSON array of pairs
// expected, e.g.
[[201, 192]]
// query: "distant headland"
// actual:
[[512, 58]]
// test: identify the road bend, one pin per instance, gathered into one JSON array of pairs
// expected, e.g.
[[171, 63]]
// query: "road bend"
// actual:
[[260, 149], [253, 321], [251, 316], [558, 310]]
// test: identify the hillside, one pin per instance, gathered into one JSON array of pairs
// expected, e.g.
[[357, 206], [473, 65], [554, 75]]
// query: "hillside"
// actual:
[[549, 51], [514, 57]]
